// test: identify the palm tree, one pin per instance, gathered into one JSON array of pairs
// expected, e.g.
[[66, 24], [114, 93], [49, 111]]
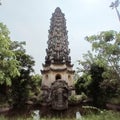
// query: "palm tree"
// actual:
[[115, 5]]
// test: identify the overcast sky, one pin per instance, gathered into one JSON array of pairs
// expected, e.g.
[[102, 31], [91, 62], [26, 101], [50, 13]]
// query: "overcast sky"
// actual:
[[29, 20]]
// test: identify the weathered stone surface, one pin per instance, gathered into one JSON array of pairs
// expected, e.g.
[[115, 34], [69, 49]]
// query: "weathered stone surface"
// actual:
[[57, 73], [50, 73], [58, 51], [45, 95], [59, 95]]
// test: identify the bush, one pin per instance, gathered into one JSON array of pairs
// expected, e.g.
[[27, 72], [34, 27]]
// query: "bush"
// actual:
[[77, 98], [115, 100]]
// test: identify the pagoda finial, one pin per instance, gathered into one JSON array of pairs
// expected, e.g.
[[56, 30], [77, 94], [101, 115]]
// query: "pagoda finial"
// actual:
[[58, 9]]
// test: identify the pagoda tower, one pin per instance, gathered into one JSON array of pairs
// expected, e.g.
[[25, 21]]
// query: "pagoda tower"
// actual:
[[57, 61]]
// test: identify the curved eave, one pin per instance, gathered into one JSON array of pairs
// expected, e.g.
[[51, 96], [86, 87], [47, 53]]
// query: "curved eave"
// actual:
[[45, 65], [44, 71]]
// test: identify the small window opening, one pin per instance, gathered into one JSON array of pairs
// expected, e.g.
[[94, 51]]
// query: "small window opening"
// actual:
[[58, 77]]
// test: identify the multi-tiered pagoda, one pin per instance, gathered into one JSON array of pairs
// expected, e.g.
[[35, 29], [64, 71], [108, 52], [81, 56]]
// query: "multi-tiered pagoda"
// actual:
[[57, 61]]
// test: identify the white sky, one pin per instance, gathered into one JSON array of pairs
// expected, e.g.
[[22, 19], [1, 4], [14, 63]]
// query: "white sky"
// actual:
[[29, 20]]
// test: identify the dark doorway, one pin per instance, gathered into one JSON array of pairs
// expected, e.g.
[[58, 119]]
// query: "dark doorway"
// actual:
[[58, 76]]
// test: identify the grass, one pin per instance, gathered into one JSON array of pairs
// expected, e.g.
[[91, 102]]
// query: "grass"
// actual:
[[104, 115]]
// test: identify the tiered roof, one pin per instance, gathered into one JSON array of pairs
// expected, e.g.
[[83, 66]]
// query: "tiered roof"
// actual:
[[58, 51]]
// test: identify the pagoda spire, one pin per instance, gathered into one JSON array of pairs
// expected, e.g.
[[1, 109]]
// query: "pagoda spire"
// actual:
[[58, 51], [57, 74]]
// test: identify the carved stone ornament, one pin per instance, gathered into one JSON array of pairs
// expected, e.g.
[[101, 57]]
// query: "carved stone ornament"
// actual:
[[58, 51], [57, 86], [59, 95]]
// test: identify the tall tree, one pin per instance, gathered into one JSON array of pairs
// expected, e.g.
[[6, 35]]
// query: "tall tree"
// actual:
[[8, 63], [20, 84], [106, 46], [105, 56]]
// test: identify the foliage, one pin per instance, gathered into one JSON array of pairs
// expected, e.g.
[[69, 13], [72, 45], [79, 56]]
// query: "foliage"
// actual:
[[72, 98], [89, 83], [101, 69], [91, 110], [80, 85], [77, 98], [20, 84], [17, 82], [115, 100], [95, 92], [8, 62], [25, 87], [104, 115], [34, 91], [107, 48]]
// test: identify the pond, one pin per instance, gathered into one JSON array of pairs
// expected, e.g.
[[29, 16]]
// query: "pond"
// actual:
[[42, 112], [46, 113]]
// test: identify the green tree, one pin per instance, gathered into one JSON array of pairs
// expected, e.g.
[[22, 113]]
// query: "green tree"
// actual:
[[80, 85], [95, 91], [106, 46], [89, 83], [8, 63], [102, 66], [35, 89], [20, 84]]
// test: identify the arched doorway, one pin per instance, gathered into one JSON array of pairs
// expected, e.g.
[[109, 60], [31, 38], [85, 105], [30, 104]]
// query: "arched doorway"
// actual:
[[58, 76]]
